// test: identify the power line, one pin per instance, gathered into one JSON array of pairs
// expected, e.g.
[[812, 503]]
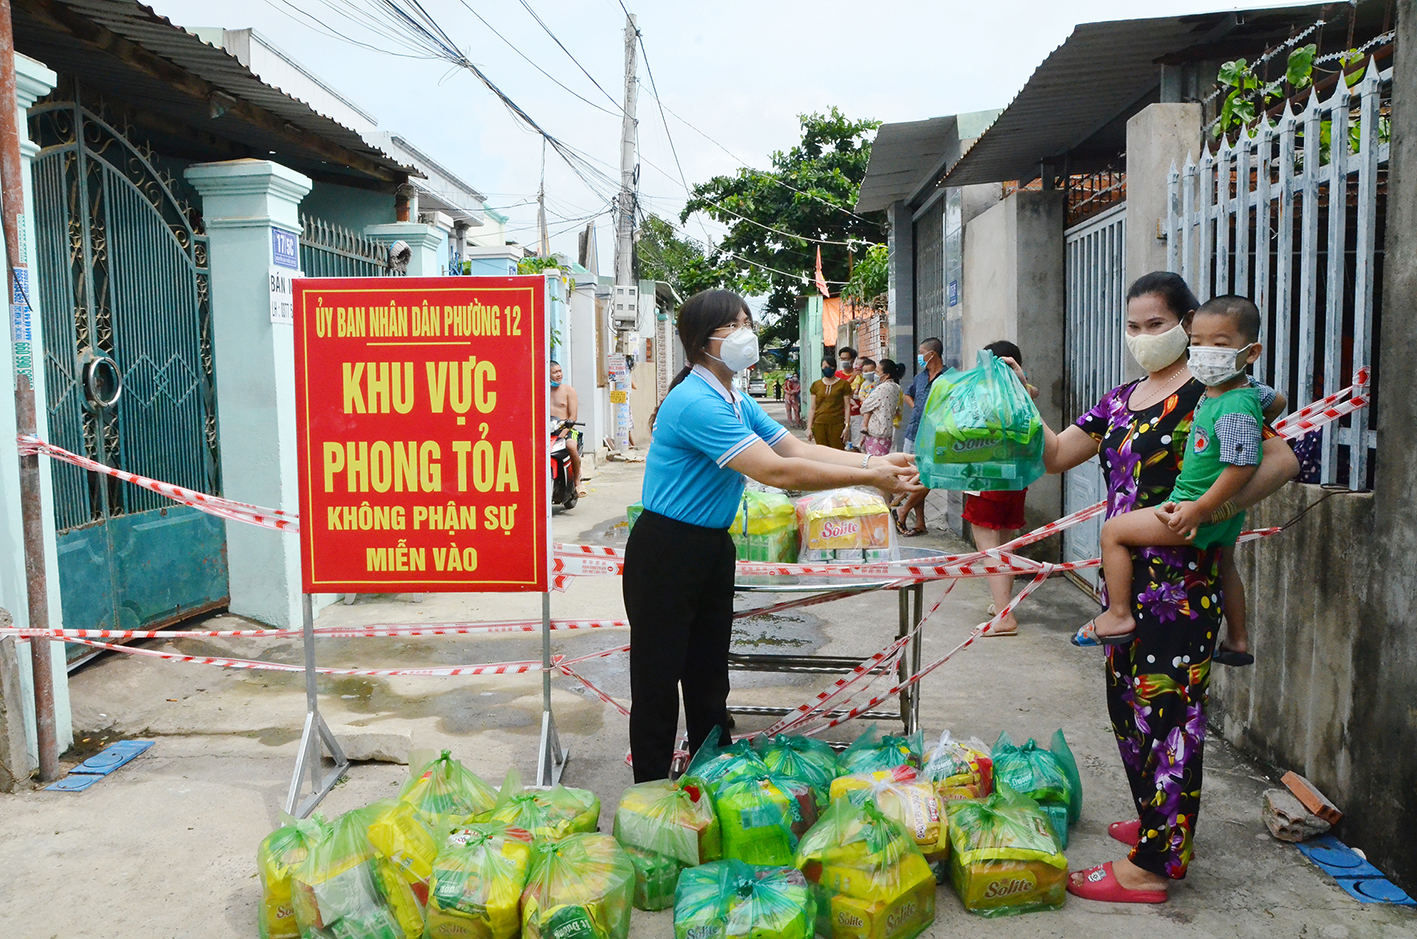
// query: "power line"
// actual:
[[542, 23]]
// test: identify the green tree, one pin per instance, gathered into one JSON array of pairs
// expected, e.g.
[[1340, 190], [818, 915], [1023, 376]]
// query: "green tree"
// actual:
[[680, 261], [778, 217]]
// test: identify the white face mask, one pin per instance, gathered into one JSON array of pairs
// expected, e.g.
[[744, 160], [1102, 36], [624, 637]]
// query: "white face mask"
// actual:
[[1154, 352], [1215, 365], [739, 348]]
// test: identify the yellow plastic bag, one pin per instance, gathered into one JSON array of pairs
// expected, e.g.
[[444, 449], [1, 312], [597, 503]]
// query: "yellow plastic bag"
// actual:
[[547, 813], [282, 851], [960, 770], [400, 835], [844, 520], [346, 888], [445, 792], [477, 882]]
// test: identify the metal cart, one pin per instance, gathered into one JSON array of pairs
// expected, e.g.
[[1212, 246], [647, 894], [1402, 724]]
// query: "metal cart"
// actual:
[[910, 599]]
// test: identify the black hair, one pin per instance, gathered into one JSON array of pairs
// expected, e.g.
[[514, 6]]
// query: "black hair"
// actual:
[[1243, 313], [865, 361], [846, 350], [701, 315], [887, 368], [899, 371], [1171, 288], [1005, 349], [935, 346]]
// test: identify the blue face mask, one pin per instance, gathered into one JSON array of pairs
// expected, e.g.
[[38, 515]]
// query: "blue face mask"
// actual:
[[920, 360], [555, 384]]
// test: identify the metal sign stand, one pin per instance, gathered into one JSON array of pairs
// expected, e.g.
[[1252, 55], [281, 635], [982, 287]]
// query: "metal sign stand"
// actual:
[[316, 732], [551, 758]]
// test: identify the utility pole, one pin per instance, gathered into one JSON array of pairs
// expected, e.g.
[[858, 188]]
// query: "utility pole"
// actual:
[[625, 203], [12, 208]]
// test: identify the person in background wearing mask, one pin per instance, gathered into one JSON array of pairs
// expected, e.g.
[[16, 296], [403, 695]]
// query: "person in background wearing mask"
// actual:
[[680, 561], [863, 381], [793, 402], [826, 415], [880, 411], [846, 363], [931, 366], [566, 406]]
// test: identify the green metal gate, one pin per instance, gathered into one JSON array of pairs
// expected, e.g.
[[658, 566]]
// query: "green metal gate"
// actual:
[[122, 280]]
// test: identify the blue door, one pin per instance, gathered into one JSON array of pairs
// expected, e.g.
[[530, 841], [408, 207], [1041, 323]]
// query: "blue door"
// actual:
[[122, 281]]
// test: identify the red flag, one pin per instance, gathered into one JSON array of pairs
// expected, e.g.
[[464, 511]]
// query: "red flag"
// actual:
[[821, 280]]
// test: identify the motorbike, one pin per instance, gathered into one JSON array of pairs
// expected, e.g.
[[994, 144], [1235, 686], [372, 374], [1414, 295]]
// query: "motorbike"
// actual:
[[563, 490]]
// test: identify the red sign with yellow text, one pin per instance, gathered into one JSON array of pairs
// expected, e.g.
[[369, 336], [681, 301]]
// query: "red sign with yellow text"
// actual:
[[422, 423]]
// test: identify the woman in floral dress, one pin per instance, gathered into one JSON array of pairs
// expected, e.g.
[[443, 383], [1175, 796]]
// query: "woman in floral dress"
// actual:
[[1156, 684]]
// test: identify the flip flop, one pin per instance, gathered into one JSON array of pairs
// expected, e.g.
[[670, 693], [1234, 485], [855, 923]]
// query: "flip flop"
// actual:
[[899, 525], [913, 532], [1230, 657], [1128, 832], [1087, 637], [1000, 633], [1099, 883]]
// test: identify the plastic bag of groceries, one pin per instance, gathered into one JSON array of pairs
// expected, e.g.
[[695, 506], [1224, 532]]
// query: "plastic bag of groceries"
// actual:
[[803, 758], [581, 887], [714, 763], [665, 827], [980, 430], [906, 796], [870, 879], [345, 889], [282, 851], [845, 526], [1006, 859], [762, 816], [445, 792], [477, 882], [547, 813], [400, 834], [1048, 777], [871, 752], [960, 770], [765, 528], [729, 899]]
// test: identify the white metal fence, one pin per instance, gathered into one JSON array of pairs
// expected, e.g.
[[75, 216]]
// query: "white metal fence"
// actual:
[[1096, 280], [1291, 215]]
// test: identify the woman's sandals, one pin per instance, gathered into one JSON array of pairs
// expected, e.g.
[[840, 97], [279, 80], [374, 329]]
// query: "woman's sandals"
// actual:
[[1100, 883], [1087, 636]]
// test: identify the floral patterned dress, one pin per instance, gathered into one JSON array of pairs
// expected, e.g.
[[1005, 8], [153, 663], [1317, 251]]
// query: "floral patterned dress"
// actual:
[[1156, 685]]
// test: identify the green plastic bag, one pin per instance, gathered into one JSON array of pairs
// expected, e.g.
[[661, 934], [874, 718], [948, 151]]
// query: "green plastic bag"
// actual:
[[1044, 776], [762, 816], [870, 752], [665, 827], [549, 814], [870, 880], [713, 763], [805, 759], [960, 769], [655, 877], [580, 887], [400, 834], [445, 792], [1005, 858], [765, 528], [732, 900], [346, 890], [477, 882], [278, 856], [980, 430]]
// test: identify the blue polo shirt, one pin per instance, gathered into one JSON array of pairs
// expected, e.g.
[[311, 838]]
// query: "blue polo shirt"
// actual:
[[919, 391], [700, 427]]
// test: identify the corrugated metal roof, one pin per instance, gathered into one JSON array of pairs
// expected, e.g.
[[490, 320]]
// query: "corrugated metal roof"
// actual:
[[908, 156], [1100, 75], [125, 49]]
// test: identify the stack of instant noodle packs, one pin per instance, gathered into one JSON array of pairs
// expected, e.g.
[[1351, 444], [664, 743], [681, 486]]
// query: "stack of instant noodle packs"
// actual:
[[773, 838]]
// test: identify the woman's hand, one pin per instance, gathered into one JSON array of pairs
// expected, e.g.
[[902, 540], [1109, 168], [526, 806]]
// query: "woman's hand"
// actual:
[[895, 459], [893, 478]]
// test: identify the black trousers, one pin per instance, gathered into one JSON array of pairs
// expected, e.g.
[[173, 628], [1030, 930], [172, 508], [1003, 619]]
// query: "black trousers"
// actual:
[[678, 587]]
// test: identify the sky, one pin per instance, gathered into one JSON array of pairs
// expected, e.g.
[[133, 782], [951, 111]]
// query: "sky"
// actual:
[[738, 71]]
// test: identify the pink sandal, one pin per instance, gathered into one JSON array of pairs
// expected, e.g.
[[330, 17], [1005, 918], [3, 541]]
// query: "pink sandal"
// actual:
[[1128, 832], [1100, 883]]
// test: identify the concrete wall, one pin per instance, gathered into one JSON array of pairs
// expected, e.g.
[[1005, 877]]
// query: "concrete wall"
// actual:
[[348, 207], [1294, 707], [1383, 814], [1013, 289], [1160, 136], [900, 288]]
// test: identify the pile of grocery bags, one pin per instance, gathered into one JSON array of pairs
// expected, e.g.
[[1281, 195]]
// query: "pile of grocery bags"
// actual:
[[770, 837], [850, 525]]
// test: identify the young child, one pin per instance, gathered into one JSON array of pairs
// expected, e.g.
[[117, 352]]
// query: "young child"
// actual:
[[1222, 453]]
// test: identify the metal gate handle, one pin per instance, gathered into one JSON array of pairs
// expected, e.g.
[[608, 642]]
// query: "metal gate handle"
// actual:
[[94, 386]]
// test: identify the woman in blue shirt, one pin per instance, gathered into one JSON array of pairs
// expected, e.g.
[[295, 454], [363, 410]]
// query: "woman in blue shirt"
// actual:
[[679, 562]]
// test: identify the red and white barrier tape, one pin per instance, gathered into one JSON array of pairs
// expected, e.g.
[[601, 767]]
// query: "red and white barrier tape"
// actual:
[[400, 631]]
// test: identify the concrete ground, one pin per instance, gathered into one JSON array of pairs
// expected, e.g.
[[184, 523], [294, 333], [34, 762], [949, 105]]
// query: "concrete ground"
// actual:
[[166, 846]]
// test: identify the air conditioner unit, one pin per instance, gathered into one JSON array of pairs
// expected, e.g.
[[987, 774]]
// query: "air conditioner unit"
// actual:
[[625, 308]]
